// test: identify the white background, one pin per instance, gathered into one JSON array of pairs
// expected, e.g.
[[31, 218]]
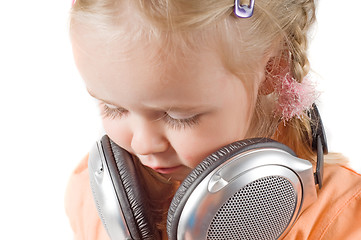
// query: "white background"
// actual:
[[48, 122]]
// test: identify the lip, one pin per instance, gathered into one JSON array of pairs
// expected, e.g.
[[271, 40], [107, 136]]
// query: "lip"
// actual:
[[169, 170]]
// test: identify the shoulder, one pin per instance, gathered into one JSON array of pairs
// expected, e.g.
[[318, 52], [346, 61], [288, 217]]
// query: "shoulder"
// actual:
[[80, 207], [337, 212]]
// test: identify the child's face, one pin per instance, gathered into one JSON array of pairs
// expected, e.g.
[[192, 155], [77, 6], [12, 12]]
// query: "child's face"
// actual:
[[169, 112]]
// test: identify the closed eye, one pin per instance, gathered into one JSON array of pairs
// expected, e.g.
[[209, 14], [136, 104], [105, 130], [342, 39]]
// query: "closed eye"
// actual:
[[180, 123], [112, 112]]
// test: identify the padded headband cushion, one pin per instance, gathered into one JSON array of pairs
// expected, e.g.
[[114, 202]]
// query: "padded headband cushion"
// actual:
[[129, 190], [205, 167]]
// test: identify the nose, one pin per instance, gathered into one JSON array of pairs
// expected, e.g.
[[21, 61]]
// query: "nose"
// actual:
[[148, 139]]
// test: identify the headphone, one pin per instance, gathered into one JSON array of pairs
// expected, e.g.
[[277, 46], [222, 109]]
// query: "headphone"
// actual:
[[250, 189]]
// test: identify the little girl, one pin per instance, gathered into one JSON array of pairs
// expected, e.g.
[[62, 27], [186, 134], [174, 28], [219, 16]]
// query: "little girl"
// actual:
[[178, 79]]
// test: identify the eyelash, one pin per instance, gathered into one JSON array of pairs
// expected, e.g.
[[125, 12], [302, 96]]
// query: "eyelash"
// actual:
[[172, 123], [179, 124], [112, 113]]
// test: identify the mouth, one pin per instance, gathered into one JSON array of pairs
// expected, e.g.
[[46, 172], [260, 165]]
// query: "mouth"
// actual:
[[169, 170]]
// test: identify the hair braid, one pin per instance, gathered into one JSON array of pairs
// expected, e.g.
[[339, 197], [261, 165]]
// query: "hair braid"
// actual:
[[298, 40]]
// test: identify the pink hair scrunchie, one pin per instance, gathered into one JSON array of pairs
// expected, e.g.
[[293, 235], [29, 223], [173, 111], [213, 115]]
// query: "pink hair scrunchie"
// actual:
[[294, 98]]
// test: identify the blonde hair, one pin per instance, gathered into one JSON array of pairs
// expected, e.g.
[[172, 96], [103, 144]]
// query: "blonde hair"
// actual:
[[277, 29]]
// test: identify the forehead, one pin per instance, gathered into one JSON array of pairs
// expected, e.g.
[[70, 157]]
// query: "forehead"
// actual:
[[151, 69], [129, 42]]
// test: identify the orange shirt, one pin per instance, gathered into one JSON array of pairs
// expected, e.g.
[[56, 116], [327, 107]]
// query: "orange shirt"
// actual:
[[335, 215]]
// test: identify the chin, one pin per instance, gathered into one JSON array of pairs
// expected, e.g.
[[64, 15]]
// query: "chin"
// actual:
[[177, 177]]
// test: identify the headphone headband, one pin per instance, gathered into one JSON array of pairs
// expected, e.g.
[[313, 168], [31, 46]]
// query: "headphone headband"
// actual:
[[319, 143]]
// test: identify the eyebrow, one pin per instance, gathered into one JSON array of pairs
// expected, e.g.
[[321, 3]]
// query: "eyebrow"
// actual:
[[91, 93], [100, 99], [179, 109]]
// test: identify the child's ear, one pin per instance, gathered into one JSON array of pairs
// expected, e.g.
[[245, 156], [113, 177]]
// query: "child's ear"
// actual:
[[266, 87], [277, 66]]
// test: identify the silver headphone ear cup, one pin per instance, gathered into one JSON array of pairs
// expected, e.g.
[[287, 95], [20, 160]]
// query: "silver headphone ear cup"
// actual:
[[264, 208], [203, 170], [131, 212], [131, 195]]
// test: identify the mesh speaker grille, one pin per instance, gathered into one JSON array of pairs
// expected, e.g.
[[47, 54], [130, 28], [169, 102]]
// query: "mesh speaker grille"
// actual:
[[260, 210]]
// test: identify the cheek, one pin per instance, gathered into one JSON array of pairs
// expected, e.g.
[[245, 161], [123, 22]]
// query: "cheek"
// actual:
[[194, 148], [120, 134], [200, 143], [193, 154]]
